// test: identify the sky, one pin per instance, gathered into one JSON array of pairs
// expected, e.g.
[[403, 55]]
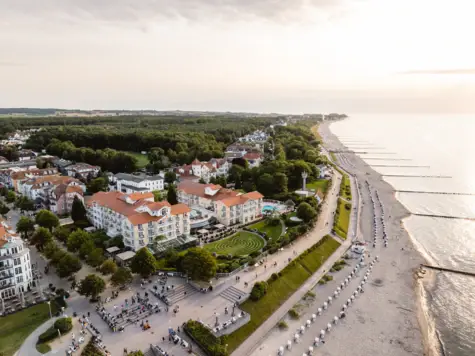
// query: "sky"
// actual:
[[287, 56]]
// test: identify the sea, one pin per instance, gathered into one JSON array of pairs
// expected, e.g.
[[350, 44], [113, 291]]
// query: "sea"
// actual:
[[430, 162]]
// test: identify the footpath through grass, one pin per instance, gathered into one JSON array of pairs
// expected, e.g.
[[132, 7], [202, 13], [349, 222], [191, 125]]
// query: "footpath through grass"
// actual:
[[273, 232], [342, 218], [15, 328], [319, 184], [291, 279]]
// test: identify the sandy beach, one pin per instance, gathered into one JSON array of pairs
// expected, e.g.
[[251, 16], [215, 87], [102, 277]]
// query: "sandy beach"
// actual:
[[389, 318]]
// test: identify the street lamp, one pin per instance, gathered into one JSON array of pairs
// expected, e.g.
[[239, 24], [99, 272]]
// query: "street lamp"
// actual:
[[217, 322], [49, 306]]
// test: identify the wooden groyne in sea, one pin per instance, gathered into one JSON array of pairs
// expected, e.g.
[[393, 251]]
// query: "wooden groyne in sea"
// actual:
[[443, 269], [413, 176], [397, 166], [445, 217], [424, 192], [388, 159]]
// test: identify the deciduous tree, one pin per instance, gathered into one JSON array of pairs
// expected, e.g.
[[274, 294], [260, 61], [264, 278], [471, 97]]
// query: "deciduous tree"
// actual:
[[25, 226], [92, 286], [121, 277], [47, 219], [144, 263], [199, 264], [171, 195]]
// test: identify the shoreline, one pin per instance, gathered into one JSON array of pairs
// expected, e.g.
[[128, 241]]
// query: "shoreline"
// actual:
[[427, 340]]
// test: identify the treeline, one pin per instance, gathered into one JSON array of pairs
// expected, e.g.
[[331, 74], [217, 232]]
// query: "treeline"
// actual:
[[108, 159], [224, 129]]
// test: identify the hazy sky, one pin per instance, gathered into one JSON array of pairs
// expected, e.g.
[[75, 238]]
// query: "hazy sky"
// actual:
[[239, 55]]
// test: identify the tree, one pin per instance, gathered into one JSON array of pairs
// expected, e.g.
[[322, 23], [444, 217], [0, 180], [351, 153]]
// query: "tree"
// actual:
[[92, 286], [11, 196], [121, 277], [202, 181], [50, 249], [266, 184], [258, 290], [280, 183], [237, 183], [306, 212], [25, 204], [78, 211], [41, 237], [170, 177], [86, 247], [25, 226], [157, 195], [47, 219], [135, 353], [76, 239], [222, 181], [240, 161], [144, 263], [68, 265], [97, 185], [4, 209], [108, 267], [61, 233], [95, 257], [171, 195], [199, 264]]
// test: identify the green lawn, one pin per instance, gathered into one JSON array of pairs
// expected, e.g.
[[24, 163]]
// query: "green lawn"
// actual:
[[142, 159], [15, 328], [293, 276], [273, 232], [321, 184], [342, 219], [345, 187], [333, 157], [240, 244]]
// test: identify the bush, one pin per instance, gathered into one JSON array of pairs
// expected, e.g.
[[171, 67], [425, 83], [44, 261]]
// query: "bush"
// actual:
[[63, 325], [294, 314], [282, 325], [212, 345], [258, 290], [347, 206], [48, 335], [91, 350], [274, 277]]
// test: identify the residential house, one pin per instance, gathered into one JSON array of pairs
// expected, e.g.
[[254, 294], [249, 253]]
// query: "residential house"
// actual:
[[138, 218], [62, 164], [82, 171], [18, 177], [61, 197], [141, 183], [25, 155], [254, 159], [204, 170], [15, 265]]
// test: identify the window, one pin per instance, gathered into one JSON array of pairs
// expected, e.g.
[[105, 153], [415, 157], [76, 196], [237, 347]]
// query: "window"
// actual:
[[17, 261], [19, 279], [18, 270]]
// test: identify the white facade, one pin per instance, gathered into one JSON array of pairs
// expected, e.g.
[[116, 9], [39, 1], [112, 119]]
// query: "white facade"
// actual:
[[129, 183], [138, 220], [15, 265]]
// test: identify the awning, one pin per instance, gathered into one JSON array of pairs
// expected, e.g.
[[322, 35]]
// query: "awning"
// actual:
[[219, 226], [202, 231]]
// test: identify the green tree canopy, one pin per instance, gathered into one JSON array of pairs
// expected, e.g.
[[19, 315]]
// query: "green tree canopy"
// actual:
[[25, 204], [121, 277], [78, 211], [61, 233], [25, 226], [68, 265], [170, 177], [95, 257], [171, 195], [92, 286], [11, 196], [199, 264], [144, 263], [76, 239], [41, 237], [99, 184], [306, 212], [86, 247], [47, 219], [157, 196], [108, 266]]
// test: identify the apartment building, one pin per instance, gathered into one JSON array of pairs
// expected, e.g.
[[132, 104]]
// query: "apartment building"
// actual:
[[229, 206], [204, 170], [141, 183], [15, 266], [20, 176], [138, 218], [82, 171]]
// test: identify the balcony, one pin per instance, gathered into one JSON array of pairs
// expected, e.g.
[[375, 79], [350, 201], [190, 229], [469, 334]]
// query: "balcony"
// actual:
[[6, 275], [4, 267], [6, 285]]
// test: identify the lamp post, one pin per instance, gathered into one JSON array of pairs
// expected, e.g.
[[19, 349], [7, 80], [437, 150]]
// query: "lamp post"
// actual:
[[216, 322], [49, 306], [234, 306]]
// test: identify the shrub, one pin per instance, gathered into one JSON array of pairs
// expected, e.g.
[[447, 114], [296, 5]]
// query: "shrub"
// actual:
[[310, 294], [274, 276], [273, 249], [294, 314], [282, 325], [48, 335], [347, 206], [63, 325], [258, 290], [212, 345], [91, 350]]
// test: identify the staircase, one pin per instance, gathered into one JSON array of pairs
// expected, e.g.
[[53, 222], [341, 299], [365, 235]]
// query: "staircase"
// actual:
[[179, 293], [234, 295]]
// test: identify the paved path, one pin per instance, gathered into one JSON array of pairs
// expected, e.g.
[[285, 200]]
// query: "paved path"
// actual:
[[29, 346]]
